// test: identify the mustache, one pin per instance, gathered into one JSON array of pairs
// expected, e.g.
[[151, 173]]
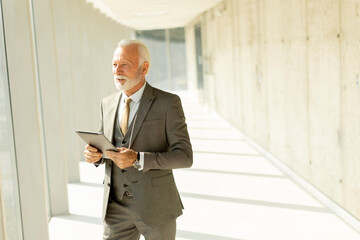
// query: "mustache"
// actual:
[[120, 77]]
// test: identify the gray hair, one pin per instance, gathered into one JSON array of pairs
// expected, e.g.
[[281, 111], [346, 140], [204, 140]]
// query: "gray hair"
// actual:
[[144, 54]]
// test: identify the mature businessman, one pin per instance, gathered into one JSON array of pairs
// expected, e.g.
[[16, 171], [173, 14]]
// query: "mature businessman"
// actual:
[[148, 128]]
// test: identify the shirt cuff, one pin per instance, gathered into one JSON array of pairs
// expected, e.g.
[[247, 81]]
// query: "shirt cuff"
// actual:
[[141, 161]]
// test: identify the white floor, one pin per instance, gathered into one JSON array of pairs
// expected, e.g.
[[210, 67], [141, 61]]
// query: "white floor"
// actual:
[[232, 192]]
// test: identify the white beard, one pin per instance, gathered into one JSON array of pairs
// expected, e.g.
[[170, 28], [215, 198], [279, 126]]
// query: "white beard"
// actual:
[[129, 83]]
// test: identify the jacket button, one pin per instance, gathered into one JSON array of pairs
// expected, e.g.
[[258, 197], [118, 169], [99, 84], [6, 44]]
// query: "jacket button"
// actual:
[[123, 142], [123, 170], [125, 185]]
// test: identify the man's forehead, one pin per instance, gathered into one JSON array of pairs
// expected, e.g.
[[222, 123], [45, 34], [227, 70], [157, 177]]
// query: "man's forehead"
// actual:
[[129, 50]]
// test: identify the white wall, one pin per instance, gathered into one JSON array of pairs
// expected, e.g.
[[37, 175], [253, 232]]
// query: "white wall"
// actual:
[[286, 73], [85, 41]]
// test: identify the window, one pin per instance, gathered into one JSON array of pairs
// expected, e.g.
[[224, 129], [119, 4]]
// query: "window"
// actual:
[[11, 216]]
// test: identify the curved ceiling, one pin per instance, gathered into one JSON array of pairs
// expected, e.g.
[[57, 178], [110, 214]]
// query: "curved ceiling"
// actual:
[[153, 14]]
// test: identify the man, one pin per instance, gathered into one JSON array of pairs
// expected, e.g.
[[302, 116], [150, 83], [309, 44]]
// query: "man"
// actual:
[[150, 133]]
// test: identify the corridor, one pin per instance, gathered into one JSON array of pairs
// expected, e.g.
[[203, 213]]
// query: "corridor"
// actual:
[[232, 192]]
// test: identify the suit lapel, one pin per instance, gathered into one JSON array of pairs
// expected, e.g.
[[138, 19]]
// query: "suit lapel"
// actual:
[[145, 103], [113, 106]]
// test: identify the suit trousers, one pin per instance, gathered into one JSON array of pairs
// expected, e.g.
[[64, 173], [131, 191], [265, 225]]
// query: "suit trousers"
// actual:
[[122, 222]]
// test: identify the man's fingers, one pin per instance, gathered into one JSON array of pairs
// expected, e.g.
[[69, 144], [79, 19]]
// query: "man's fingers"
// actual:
[[121, 149], [92, 160], [110, 153], [92, 154], [90, 148], [92, 157]]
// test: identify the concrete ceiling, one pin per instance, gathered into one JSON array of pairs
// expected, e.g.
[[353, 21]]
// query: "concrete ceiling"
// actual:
[[153, 14]]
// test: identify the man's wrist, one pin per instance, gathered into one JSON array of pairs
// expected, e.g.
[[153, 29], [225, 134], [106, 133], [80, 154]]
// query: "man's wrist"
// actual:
[[136, 163]]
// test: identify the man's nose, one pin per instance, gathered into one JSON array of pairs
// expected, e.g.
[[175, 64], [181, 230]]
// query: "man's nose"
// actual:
[[117, 70]]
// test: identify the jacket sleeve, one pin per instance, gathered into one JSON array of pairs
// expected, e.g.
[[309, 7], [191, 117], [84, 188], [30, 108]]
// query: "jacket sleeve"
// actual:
[[180, 154]]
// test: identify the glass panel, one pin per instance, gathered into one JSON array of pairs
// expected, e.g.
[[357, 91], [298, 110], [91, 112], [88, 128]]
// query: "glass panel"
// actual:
[[199, 60], [178, 58], [155, 41], [168, 57], [8, 171]]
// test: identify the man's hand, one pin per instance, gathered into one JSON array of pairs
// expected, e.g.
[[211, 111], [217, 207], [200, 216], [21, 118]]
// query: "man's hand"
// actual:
[[92, 155], [124, 158]]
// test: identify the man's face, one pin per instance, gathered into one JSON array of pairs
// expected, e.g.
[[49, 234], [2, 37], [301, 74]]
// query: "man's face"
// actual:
[[126, 69]]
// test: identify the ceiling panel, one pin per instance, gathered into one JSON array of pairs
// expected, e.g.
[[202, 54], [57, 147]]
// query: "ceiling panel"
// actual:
[[153, 14]]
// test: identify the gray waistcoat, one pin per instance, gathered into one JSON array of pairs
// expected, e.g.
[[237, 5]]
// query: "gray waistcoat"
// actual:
[[121, 179]]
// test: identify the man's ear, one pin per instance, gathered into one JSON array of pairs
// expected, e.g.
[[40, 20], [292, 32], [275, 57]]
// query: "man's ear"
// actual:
[[144, 68]]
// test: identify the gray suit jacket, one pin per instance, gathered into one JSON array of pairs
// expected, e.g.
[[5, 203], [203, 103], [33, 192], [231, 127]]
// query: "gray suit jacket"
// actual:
[[161, 132]]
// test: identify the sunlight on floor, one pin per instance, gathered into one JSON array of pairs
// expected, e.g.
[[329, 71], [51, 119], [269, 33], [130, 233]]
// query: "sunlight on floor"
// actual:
[[231, 193]]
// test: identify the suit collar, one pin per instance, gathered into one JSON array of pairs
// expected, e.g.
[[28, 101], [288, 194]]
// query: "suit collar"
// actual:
[[145, 103], [113, 106]]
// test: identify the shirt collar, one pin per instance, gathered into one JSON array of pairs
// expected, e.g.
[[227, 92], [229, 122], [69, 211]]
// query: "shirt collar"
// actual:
[[136, 97]]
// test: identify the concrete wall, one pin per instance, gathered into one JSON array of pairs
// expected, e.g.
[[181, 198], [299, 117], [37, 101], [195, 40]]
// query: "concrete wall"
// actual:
[[59, 56], [286, 73]]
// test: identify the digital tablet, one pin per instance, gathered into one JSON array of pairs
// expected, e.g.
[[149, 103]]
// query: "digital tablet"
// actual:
[[97, 140]]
